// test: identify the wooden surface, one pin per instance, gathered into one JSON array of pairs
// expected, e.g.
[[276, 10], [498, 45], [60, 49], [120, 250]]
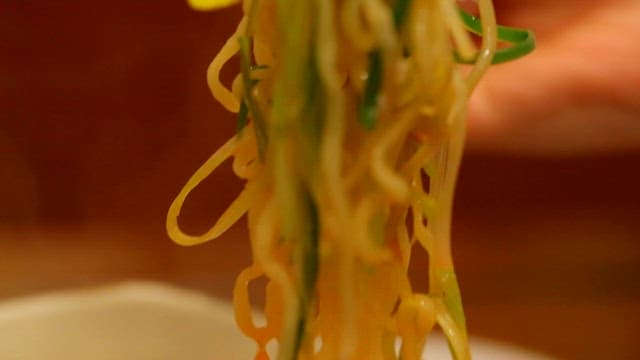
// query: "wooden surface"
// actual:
[[105, 114]]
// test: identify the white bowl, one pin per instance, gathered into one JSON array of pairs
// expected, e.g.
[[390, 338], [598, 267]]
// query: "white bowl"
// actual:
[[142, 320]]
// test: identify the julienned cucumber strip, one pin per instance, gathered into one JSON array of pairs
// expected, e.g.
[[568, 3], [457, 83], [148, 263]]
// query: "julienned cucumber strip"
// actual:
[[368, 111], [252, 106], [452, 301], [309, 254], [243, 117], [451, 297], [522, 41], [369, 106], [400, 12]]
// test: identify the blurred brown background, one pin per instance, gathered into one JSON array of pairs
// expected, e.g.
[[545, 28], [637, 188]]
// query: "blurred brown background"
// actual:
[[104, 113]]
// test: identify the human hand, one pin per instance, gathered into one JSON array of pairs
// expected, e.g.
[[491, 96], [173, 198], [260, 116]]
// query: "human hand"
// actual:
[[578, 92]]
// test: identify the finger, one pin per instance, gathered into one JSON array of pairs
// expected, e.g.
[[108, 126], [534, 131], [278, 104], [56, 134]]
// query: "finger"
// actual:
[[577, 93]]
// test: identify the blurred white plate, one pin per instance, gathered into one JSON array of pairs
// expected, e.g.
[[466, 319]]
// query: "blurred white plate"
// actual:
[[149, 321]]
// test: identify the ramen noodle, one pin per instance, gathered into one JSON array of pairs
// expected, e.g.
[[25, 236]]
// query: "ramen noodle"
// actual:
[[351, 123]]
